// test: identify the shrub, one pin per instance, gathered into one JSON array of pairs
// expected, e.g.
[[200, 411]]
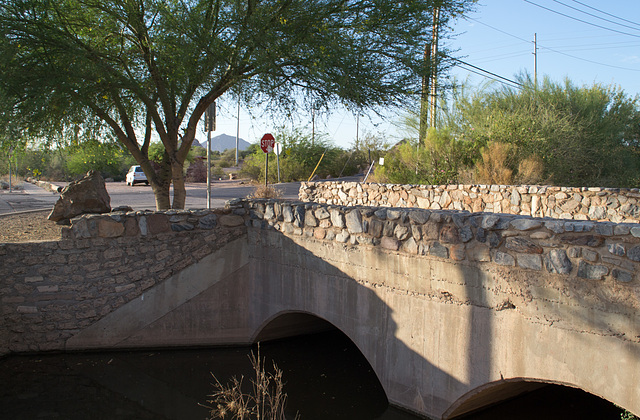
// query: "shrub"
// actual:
[[496, 164], [266, 191]]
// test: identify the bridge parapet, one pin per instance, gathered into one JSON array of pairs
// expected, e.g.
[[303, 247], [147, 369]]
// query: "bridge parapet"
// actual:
[[574, 203], [595, 264], [106, 261], [586, 249]]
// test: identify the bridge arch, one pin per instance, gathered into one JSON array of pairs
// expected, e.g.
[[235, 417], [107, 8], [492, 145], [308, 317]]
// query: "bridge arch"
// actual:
[[291, 323], [340, 374], [503, 391]]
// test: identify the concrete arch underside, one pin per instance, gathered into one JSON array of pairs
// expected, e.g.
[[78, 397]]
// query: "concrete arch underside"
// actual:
[[436, 333]]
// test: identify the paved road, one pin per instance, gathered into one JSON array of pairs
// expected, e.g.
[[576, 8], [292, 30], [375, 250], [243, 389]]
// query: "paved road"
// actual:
[[139, 197]]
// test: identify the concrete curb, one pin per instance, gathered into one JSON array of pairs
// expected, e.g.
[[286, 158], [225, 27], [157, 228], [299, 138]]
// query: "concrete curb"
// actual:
[[45, 185], [16, 213]]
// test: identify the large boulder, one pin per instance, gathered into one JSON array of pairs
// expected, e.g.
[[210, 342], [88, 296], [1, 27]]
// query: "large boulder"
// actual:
[[88, 195]]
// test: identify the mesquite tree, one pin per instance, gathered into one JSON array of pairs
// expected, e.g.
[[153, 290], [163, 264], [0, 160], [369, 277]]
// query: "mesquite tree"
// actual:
[[143, 69]]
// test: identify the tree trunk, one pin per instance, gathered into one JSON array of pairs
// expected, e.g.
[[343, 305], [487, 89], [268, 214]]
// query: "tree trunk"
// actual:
[[179, 191], [161, 185], [163, 199]]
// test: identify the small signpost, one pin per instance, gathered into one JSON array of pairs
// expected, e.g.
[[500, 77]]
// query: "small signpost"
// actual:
[[278, 149], [266, 144], [209, 126]]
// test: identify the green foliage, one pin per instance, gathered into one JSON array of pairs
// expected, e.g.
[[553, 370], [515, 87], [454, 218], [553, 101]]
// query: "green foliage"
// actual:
[[299, 157], [439, 161], [156, 152], [582, 136], [366, 149], [106, 158]]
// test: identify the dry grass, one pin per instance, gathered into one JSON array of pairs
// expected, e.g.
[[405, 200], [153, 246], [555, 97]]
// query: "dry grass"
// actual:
[[530, 170], [16, 184], [493, 169], [266, 191], [266, 401]]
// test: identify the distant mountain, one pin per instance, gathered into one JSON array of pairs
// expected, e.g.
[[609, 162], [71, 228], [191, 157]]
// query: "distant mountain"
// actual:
[[223, 142]]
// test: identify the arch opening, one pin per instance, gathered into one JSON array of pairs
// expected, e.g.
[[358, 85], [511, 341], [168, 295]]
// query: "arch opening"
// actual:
[[291, 324], [326, 374], [531, 399]]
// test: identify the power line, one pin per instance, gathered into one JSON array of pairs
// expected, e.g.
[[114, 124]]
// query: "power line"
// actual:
[[596, 16], [499, 30], [488, 72], [589, 61], [488, 77], [605, 13], [499, 57], [580, 20], [550, 49]]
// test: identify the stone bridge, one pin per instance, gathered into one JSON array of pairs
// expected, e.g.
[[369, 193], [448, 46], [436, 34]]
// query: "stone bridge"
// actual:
[[453, 310]]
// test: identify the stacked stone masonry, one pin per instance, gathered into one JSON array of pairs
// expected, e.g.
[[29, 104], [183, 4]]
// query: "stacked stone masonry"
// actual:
[[602, 251], [602, 204], [52, 290]]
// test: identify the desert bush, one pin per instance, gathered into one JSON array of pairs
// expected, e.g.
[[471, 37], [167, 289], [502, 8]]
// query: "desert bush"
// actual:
[[439, 160], [266, 191], [196, 172], [299, 157], [580, 136], [496, 164], [530, 170]]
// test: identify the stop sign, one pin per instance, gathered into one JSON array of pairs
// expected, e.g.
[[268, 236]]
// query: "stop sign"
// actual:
[[267, 142]]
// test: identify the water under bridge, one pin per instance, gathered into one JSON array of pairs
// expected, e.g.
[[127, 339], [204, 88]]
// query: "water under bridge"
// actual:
[[453, 310]]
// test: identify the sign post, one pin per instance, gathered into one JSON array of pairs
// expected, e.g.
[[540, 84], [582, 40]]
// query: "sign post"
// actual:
[[266, 144], [209, 126], [277, 148]]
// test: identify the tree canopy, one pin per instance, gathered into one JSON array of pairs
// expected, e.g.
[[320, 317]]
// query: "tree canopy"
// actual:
[[137, 69]]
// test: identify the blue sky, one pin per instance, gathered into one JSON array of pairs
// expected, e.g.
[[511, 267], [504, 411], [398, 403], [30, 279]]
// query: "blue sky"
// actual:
[[588, 41]]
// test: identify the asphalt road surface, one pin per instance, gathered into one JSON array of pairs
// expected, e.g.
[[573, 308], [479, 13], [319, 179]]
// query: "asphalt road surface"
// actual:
[[141, 197], [138, 197]]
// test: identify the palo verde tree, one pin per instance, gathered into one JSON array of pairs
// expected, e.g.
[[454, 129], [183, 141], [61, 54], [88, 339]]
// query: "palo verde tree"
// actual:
[[145, 69]]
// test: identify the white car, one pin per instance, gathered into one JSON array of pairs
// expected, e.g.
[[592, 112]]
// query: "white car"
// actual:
[[136, 176]]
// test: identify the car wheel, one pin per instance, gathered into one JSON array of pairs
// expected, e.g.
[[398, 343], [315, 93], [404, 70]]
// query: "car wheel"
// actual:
[[146, 183]]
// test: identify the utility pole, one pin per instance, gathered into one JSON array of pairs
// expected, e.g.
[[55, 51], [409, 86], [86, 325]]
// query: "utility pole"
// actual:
[[313, 124], [535, 59], [434, 64], [238, 131], [424, 95]]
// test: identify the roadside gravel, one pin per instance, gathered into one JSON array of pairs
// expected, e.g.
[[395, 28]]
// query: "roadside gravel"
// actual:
[[28, 227]]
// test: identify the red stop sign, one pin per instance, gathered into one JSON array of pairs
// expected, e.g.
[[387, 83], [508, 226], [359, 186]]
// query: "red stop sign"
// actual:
[[267, 142]]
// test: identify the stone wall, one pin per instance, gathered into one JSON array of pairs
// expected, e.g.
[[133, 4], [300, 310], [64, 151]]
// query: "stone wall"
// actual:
[[52, 290], [604, 204], [582, 249]]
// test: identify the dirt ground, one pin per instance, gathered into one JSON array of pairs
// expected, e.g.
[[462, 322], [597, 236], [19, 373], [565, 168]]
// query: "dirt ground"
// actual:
[[28, 227]]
